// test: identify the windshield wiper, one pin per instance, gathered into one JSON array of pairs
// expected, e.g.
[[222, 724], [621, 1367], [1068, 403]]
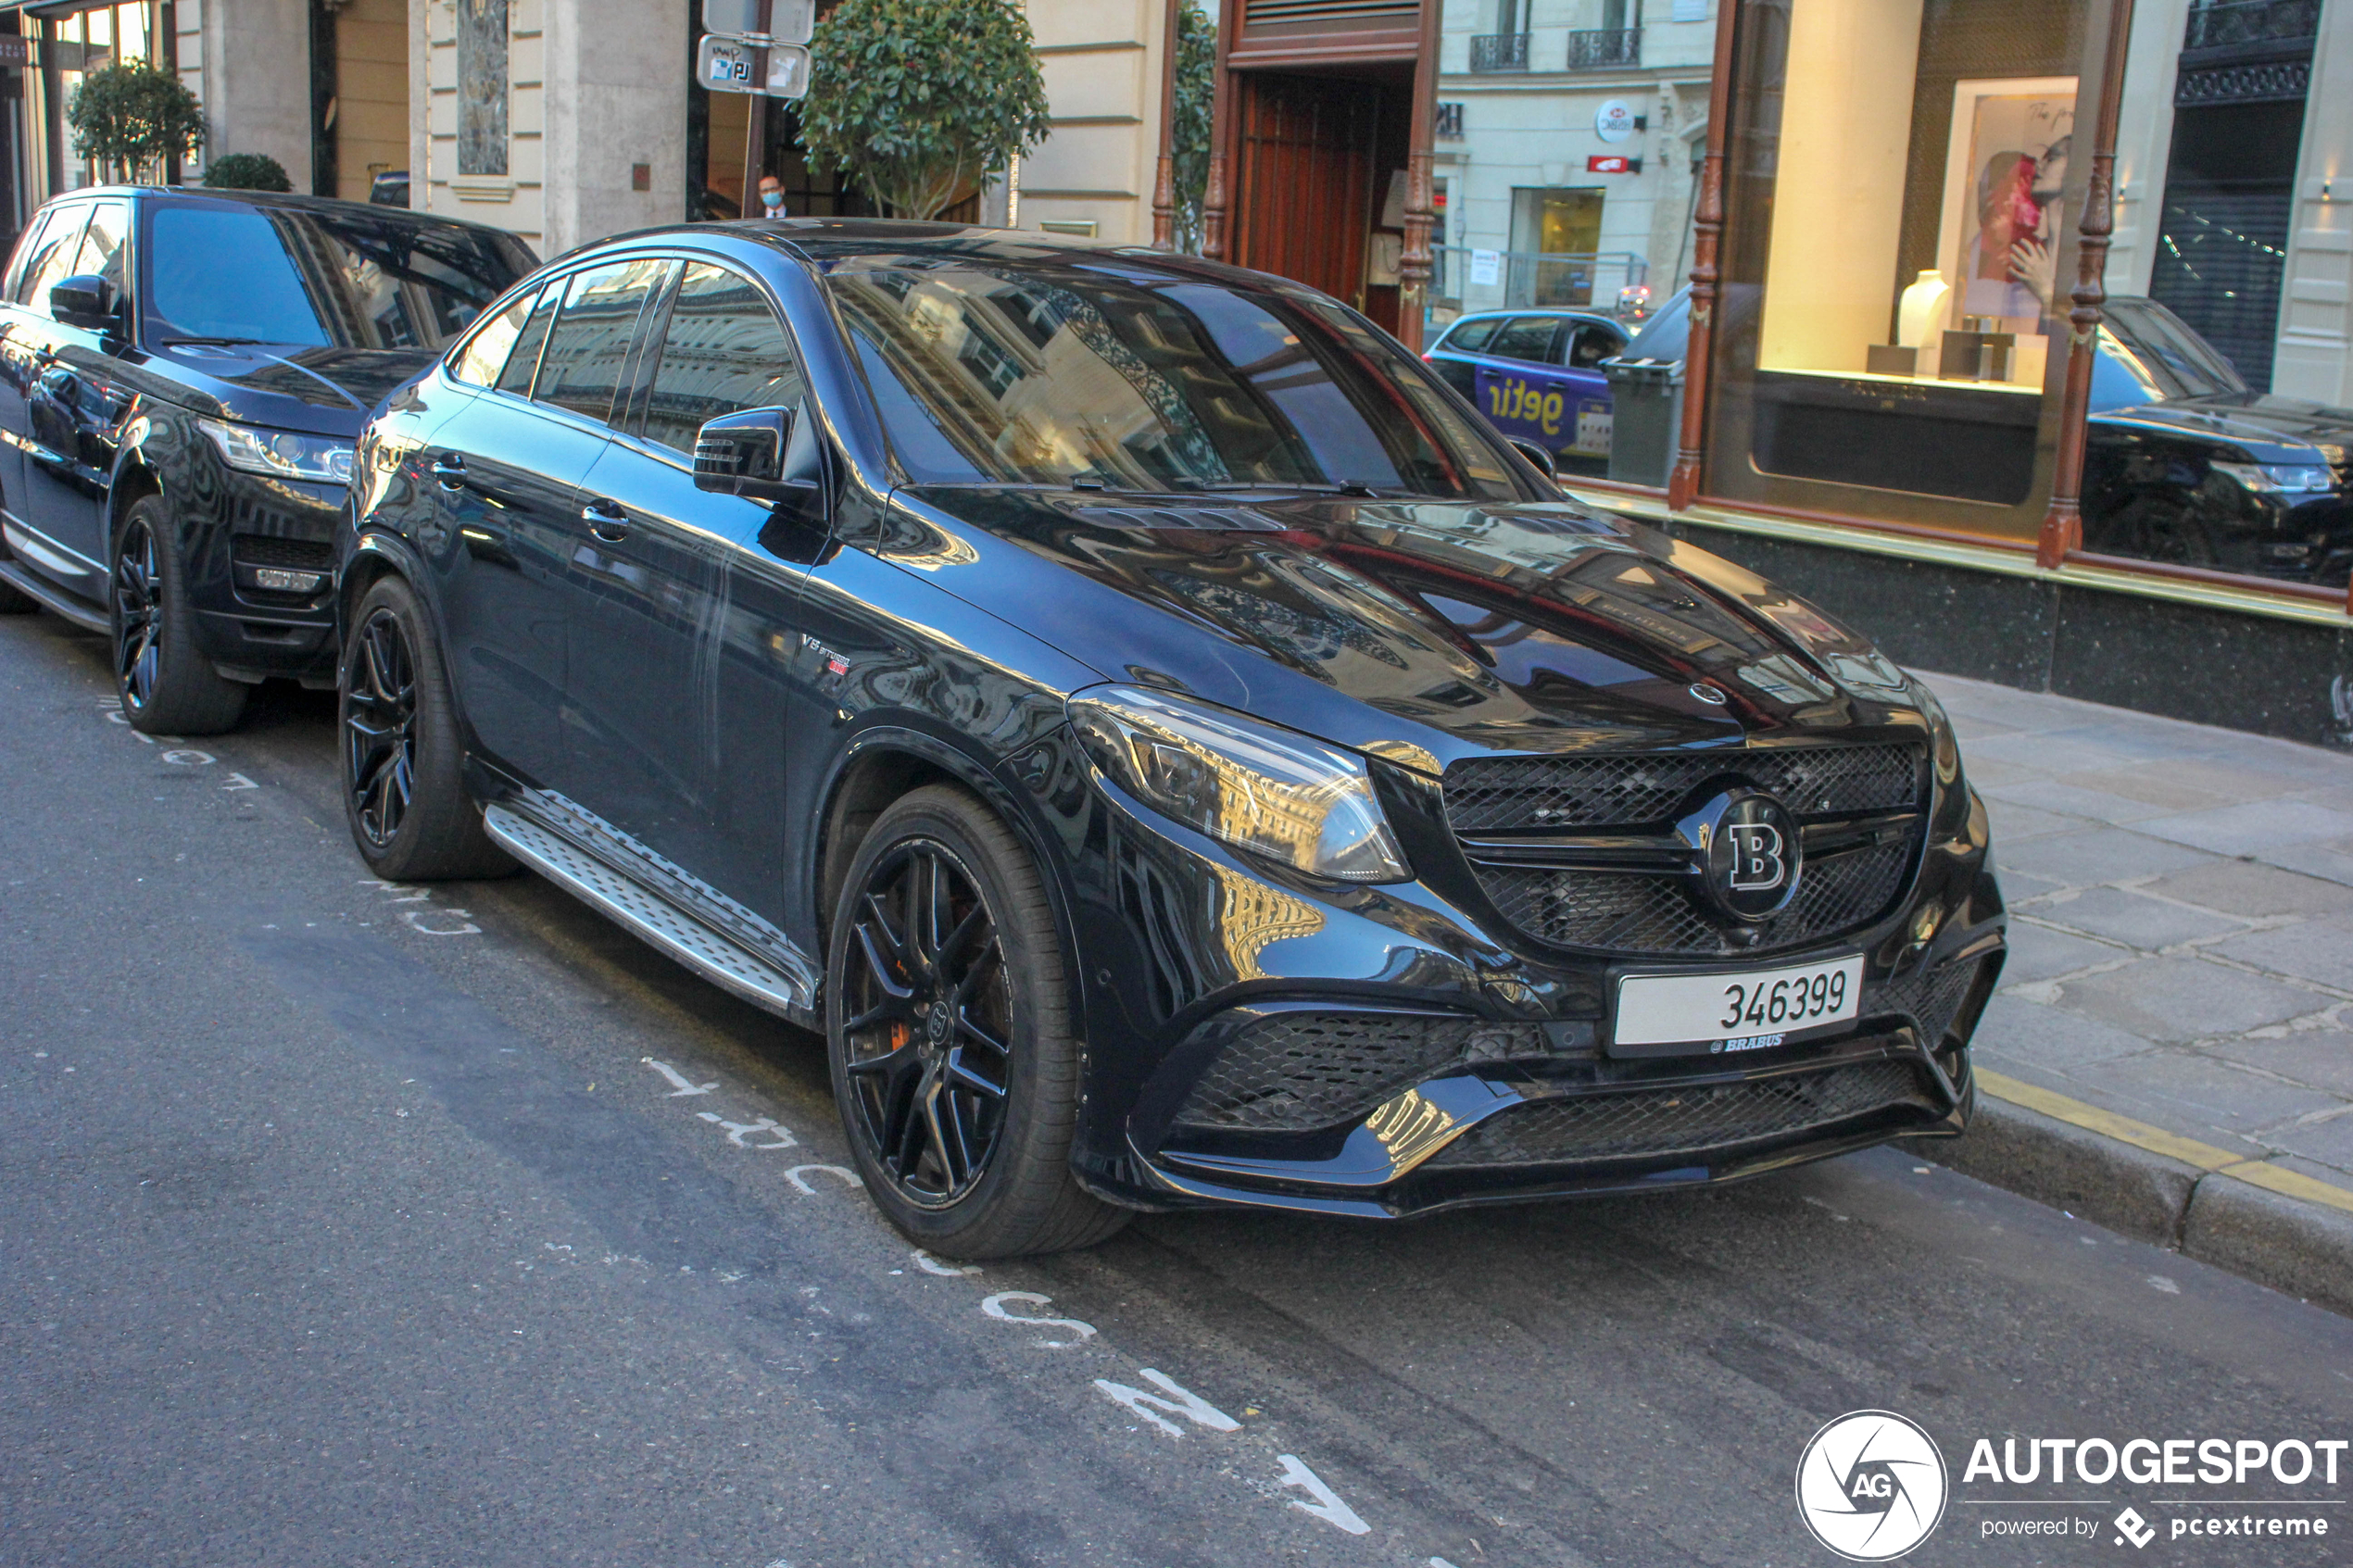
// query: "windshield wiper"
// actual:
[[215, 342]]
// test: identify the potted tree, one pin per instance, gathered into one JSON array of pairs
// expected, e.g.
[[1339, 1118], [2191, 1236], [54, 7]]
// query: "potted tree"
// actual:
[[130, 116], [919, 100]]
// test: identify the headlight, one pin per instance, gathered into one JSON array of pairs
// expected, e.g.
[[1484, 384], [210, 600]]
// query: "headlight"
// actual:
[[319, 458], [1272, 792], [2271, 478], [1944, 745]]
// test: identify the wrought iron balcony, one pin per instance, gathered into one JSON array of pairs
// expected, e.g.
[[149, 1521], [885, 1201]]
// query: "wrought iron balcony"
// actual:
[[2221, 24], [1605, 48], [1499, 51]]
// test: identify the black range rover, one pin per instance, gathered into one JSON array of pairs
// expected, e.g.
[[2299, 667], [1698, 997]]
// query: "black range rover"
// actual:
[[1176, 753], [181, 376]]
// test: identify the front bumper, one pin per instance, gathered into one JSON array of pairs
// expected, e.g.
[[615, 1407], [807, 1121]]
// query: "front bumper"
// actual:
[[1384, 1052], [240, 531]]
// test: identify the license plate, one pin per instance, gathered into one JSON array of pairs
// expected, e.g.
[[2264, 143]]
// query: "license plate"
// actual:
[[1707, 1014]]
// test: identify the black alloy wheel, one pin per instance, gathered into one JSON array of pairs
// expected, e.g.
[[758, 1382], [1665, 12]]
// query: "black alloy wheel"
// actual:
[[930, 1038], [167, 684], [404, 789], [954, 1060], [380, 729]]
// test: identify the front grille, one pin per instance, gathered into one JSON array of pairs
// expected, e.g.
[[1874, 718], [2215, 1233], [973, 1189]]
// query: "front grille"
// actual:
[[1931, 998], [1660, 911], [1517, 794], [266, 550], [1293, 1071], [1632, 912], [1648, 1124]]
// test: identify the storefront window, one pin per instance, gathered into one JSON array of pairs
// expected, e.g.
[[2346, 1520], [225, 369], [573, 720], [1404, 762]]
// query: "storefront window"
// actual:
[[1901, 200]]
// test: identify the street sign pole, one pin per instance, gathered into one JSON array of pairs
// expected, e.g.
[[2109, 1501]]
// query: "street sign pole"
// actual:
[[756, 129]]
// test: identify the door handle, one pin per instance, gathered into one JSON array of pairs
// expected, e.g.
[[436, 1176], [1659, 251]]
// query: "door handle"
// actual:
[[606, 521], [450, 470]]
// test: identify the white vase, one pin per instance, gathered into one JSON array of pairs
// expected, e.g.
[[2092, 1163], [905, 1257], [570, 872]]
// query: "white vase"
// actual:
[[1922, 310]]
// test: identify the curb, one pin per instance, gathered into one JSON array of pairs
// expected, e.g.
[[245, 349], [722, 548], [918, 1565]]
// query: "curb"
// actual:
[[2272, 1226]]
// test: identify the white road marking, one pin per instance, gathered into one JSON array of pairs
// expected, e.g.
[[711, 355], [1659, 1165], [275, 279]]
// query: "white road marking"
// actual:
[[415, 921], [738, 1131], [1326, 1506], [190, 758], [932, 1265], [682, 1084], [238, 781], [792, 1176], [408, 895], [1189, 1405], [995, 1308]]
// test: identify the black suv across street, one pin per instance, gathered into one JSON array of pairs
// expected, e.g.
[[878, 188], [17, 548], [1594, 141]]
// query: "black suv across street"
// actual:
[[1176, 753]]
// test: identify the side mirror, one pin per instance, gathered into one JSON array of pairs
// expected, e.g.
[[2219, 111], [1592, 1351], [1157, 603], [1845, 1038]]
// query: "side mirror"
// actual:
[[1537, 455], [762, 455], [83, 300]]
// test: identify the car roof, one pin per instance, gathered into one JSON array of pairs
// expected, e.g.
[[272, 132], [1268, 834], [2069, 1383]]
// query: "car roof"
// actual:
[[153, 194], [1567, 312]]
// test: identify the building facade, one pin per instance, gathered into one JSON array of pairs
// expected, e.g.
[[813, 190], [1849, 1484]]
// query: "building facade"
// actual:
[[1570, 136], [2234, 180]]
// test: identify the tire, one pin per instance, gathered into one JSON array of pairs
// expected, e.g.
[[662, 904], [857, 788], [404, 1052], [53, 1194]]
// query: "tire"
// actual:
[[401, 761], [895, 1046], [167, 684]]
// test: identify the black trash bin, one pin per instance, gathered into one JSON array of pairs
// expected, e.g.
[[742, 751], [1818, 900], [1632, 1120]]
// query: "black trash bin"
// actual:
[[1646, 418]]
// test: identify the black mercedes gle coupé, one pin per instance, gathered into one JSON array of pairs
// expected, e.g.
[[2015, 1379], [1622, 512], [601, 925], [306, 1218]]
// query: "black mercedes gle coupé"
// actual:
[[1176, 752]]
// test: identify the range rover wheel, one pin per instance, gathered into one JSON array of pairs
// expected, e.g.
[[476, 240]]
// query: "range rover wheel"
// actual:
[[167, 684], [403, 791], [947, 1028]]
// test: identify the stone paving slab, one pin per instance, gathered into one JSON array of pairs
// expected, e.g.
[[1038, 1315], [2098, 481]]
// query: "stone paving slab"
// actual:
[[2181, 903]]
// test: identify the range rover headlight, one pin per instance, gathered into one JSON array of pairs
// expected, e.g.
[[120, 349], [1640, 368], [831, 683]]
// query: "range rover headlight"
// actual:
[[1272, 792], [280, 453], [2267, 478]]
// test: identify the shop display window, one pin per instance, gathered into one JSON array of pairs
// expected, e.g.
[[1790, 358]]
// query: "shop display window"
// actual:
[[1902, 194]]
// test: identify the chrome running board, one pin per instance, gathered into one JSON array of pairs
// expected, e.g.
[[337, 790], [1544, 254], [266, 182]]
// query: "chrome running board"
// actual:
[[655, 920]]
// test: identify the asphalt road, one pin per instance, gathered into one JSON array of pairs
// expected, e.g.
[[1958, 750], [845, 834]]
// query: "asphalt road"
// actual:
[[347, 1224]]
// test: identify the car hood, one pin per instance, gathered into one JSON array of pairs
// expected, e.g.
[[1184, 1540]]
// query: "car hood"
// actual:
[[1423, 631], [328, 391], [2257, 419]]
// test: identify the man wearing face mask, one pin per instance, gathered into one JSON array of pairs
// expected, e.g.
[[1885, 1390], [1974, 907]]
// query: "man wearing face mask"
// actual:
[[772, 196]]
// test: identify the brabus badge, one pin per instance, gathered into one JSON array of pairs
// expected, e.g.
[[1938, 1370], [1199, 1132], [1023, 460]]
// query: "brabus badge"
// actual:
[[1707, 694]]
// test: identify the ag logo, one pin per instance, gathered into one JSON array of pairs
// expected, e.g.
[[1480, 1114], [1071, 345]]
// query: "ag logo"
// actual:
[[1870, 1485], [1752, 853]]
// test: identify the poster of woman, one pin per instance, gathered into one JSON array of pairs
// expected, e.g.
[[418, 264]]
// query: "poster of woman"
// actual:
[[2005, 173]]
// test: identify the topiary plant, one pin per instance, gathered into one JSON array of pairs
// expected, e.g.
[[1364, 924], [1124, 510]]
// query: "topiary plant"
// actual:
[[918, 99], [131, 116], [247, 172]]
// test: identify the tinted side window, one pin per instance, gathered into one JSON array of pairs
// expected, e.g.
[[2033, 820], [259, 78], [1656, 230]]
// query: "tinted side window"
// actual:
[[581, 370], [525, 360], [53, 262], [20, 260], [1528, 337], [486, 352], [724, 352], [1471, 336], [102, 250]]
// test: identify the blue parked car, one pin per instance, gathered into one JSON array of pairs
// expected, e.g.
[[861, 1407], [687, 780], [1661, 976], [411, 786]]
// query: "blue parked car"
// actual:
[[1537, 376]]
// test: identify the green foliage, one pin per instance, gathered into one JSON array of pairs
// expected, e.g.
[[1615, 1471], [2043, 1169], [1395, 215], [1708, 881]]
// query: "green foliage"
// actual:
[[1196, 96], [247, 172], [919, 99], [131, 116]]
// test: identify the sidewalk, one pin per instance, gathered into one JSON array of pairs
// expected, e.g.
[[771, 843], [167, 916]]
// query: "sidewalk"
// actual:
[[2171, 1051]]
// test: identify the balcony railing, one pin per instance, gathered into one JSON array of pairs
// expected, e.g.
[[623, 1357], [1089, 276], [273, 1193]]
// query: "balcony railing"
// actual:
[[2220, 24], [1605, 48], [1499, 51]]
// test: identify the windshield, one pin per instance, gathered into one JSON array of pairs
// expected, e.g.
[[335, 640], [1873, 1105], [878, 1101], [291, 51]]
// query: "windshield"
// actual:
[[1084, 372], [2161, 354], [295, 275]]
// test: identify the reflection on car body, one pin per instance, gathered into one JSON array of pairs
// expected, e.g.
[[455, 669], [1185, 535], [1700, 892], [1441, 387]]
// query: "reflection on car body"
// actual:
[[1178, 756]]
